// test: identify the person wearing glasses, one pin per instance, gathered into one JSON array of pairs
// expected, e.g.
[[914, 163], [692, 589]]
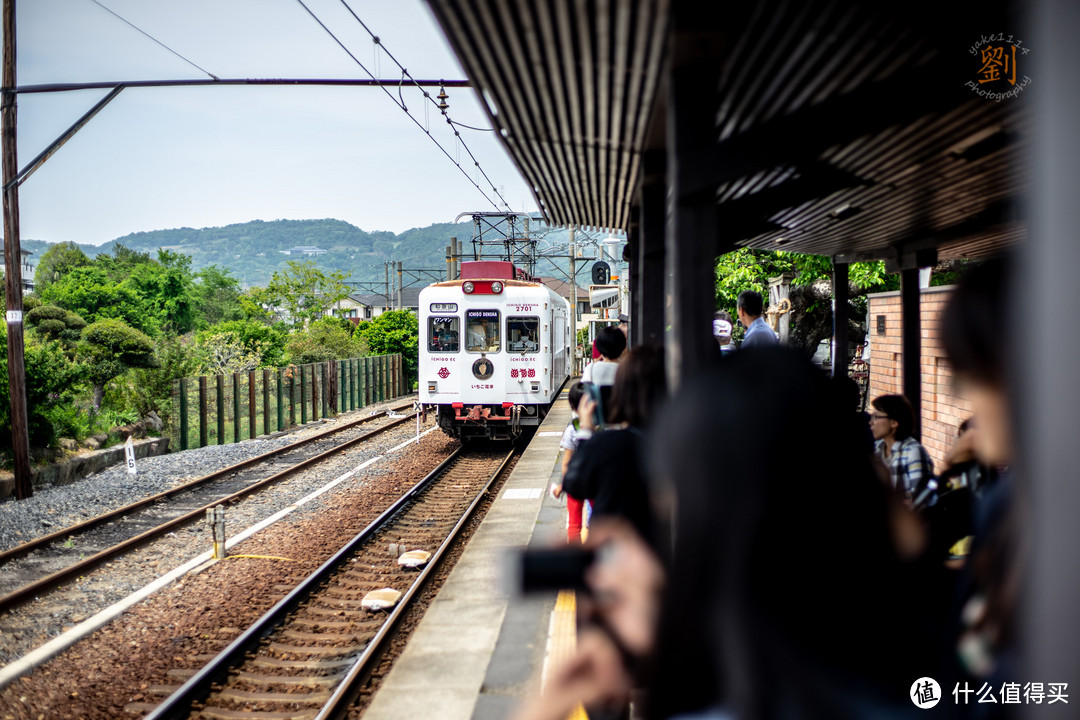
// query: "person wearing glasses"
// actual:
[[891, 423]]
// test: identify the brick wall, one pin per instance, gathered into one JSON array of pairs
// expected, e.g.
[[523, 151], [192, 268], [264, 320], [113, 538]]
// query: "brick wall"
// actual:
[[942, 410]]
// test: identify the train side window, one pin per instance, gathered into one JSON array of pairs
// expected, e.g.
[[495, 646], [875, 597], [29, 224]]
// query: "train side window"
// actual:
[[443, 334], [482, 331], [523, 334]]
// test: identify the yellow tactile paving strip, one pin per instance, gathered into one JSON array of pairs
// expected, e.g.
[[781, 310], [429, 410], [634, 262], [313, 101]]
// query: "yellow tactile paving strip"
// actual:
[[562, 639]]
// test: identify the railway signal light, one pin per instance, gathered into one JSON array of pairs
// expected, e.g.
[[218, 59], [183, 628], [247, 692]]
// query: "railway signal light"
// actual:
[[601, 273]]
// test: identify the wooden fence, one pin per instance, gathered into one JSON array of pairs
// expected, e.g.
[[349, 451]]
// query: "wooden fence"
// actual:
[[223, 409]]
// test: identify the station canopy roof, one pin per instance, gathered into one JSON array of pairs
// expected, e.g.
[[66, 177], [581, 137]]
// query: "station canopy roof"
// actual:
[[841, 128]]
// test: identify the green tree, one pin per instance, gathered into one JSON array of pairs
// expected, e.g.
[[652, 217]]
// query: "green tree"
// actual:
[[396, 331], [150, 389], [122, 261], [223, 353], [811, 312], [55, 323], [265, 341], [56, 262], [219, 295], [92, 294], [304, 293], [167, 288], [108, 348], [749, 269], [52, 382], [327, 338]]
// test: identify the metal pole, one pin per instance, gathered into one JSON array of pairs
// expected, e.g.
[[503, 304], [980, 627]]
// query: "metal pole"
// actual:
[[449, 265], [386, 297], [911, 344], [20, 433], [573, 303], [840, 319], [399, 305]]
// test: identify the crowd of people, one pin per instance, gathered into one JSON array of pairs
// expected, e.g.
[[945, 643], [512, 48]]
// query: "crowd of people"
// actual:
[[766, 549]]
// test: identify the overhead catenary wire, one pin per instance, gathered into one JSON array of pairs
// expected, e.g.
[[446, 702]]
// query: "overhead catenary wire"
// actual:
[[453, 123], [401, 105], [139, 29]]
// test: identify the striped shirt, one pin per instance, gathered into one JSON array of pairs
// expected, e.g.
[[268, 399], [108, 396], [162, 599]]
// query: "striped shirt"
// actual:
[[909, 466]]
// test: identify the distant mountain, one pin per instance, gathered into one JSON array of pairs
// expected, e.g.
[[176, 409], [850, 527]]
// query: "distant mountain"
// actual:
[[253, 251]]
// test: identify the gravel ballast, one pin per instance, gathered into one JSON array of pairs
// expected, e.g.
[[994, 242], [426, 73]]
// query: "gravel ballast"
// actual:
[[28, 626], [54, 508]]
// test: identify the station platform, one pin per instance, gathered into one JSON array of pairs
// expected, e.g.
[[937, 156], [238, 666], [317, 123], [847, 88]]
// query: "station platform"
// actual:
[[480, 648]]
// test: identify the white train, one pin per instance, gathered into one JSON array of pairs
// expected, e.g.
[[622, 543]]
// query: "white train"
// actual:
[[494, 350]]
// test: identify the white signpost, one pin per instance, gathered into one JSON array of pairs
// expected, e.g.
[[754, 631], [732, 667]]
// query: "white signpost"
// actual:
[[129, 453]]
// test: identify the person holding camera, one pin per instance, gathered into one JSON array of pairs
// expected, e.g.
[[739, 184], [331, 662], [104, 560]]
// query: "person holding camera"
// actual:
[[607, 468], [745, 604]]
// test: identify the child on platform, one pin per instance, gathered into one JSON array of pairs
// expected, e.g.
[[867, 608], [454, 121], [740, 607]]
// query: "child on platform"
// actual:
[[575, 508]]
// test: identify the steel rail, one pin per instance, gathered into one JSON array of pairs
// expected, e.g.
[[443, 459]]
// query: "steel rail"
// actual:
[[349, 688], [31, 545], [179, 704], [27, 592]]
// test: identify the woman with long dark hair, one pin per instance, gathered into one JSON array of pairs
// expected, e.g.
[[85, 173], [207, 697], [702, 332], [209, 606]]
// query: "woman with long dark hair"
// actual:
[[608, 466], [777, 589]]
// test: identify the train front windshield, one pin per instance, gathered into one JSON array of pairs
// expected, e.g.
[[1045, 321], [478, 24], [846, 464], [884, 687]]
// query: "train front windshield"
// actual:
[[523, 334], [442, 334], [482, 331]]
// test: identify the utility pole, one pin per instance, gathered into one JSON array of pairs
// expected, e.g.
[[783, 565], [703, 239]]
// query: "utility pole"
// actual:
[[573, 303], [20, 436], [386, 269], [399, 280]]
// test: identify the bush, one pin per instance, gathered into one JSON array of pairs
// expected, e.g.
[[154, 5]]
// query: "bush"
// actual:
[[150, 389], [109, 347], [396, 331], [325, 339], [267, 343], [52, 382], [55, 323]]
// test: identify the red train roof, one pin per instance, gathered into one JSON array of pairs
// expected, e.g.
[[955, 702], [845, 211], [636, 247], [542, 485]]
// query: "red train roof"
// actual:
[[492, 270]]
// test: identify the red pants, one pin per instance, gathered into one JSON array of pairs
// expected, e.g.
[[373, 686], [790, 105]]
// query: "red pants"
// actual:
[[575, 511]]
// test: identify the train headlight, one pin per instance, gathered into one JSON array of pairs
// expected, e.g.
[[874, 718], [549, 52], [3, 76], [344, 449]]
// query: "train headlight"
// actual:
[[535, 387], [496, 287], [433, 387], [468, 287]]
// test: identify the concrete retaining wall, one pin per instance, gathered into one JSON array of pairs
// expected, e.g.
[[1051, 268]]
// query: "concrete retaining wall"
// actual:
[[80, 466]]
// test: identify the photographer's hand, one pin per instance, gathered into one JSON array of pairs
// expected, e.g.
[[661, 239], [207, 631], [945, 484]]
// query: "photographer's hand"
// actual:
[[626, 580], [587, 413], [595, 675]]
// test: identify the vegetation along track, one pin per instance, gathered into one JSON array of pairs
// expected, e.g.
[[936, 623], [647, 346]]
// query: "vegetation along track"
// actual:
[[308, 655], [56, 558]]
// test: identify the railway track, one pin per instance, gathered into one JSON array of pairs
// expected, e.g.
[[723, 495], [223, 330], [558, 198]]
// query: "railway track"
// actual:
[[54, 559], [310, 654]]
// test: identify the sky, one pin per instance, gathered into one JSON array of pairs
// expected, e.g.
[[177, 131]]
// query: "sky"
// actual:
[[159, 158]]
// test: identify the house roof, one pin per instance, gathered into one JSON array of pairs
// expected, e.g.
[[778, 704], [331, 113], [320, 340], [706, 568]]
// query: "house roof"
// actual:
[[410, 297], [562, 288]]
